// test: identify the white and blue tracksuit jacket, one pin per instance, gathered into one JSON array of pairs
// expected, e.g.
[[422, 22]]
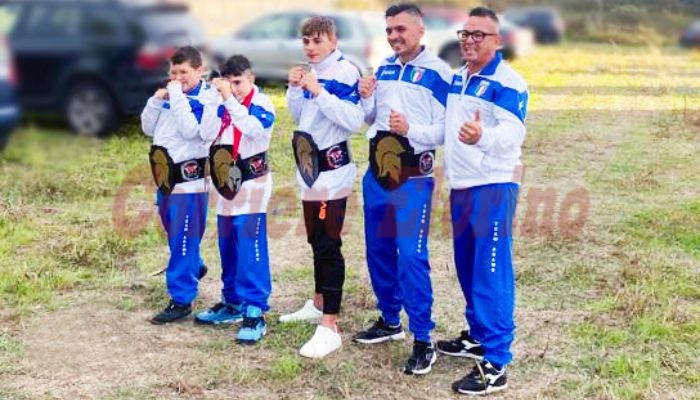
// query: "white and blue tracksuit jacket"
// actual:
[[256, 125], [330, 118], [397, 222], [500, 95], [418, 90], [185, 124], [484, 180]]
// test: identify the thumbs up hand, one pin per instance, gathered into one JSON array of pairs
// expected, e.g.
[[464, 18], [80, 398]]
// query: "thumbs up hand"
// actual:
[[470, 132]]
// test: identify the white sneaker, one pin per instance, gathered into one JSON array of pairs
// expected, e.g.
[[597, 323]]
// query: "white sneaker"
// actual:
[[308, 313], [324, 342]]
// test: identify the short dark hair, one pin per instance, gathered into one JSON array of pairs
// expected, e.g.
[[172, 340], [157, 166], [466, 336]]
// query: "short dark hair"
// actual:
[[317, 26], [236, 65], [185, 54], [396, 9], [484, 12]]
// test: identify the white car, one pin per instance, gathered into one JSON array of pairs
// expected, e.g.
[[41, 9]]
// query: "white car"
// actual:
[[273, 45]]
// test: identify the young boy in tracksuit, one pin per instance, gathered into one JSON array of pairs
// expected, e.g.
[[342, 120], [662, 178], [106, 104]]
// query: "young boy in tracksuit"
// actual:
[[324, 101], [182, 121], [405, 105], [241, 175]]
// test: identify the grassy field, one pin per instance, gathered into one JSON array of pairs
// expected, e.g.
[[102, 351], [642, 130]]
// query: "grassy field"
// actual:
[[607, 252]]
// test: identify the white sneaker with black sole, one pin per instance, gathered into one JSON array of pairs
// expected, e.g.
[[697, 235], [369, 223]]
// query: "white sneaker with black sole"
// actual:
[[463, 346], [308, 313], [483, 379]]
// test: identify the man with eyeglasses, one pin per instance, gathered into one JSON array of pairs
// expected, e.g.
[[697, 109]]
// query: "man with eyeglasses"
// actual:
[[405, 106], [484, 132]]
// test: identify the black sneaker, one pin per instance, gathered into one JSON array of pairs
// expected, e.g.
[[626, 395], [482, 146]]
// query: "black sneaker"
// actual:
[[483, 379], [380, 332], [173, 312], [463, 346], [422, 359]]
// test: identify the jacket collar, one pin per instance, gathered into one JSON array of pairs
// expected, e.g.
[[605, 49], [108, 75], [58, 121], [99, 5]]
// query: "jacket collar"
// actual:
[[489, 69], [331, 59]]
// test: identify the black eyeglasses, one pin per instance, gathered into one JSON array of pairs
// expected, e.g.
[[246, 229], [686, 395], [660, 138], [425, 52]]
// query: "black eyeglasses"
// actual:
[[477, 36]]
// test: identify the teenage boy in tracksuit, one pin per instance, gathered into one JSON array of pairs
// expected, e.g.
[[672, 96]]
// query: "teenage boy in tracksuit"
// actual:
[[405, 105], [241, 175], [182, 121], [325, 103]]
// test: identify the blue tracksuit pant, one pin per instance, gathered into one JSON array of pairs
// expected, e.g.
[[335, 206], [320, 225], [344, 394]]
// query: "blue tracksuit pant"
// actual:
[[245, 263], [184, 219], [482, 220], [396, 236]]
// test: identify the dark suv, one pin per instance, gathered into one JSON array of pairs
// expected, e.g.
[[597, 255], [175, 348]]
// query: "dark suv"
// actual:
[[94, 61]]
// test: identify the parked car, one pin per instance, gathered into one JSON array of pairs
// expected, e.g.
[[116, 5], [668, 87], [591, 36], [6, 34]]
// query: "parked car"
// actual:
[[515, 42], [273, 41], [94, 61], [691, 35], [545, 22], [9, 111]]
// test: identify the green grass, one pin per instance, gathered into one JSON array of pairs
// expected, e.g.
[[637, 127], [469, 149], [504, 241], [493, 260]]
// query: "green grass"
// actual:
[[610, 312]]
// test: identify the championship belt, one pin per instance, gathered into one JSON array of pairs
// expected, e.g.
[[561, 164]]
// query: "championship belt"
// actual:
[[162, 169], [306, 156], [228, 174], [225, 174], [392, 160]]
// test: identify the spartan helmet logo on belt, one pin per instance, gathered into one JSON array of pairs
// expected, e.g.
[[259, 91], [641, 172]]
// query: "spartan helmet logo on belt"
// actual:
[[388, 156], [304, 153], [162, 169], [306, 157], [222, 159]]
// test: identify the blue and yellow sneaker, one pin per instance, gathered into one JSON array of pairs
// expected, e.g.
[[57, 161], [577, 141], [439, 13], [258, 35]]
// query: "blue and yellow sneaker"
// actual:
[[253, 327], [221, 313]]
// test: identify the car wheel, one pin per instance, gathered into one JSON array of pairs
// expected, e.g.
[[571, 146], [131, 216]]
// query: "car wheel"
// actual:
[[452, 55], [90, 109]]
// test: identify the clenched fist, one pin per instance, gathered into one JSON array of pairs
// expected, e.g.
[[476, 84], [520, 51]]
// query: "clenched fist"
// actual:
[[310, 82], [366, 86], [223, 86], [398, 123], [161, 93], [295, 75]]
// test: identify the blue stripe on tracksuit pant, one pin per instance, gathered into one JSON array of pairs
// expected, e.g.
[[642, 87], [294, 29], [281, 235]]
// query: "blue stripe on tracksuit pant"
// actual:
[[184, 219], [245, 264], [396, 236], [482, 220]]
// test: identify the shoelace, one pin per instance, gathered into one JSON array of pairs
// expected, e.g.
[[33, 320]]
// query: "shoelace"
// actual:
[[249, 322]]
